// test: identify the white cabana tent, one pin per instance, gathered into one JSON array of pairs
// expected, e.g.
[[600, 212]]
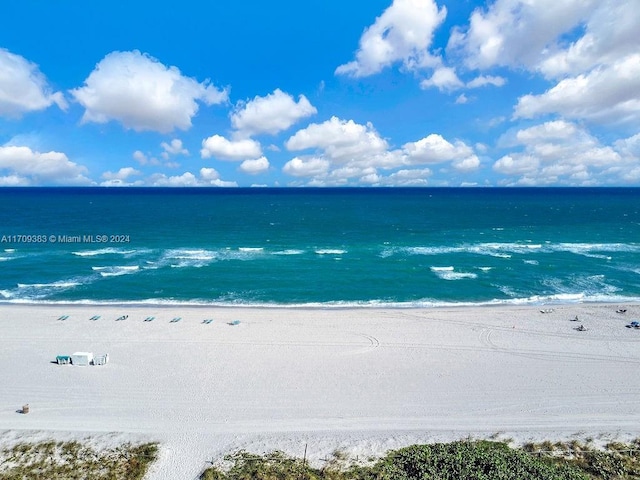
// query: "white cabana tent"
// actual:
[[82, 358]]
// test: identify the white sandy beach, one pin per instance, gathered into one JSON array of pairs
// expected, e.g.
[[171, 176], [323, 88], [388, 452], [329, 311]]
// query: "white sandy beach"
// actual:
[[363, 380]]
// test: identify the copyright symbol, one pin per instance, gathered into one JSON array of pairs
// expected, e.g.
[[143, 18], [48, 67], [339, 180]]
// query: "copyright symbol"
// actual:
[[52, 238]]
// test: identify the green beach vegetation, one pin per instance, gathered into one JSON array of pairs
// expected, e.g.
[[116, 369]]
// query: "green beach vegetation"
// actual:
[[461, 460], [75, 461]]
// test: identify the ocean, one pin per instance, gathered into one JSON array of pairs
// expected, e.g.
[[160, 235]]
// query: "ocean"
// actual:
[[320, 247]]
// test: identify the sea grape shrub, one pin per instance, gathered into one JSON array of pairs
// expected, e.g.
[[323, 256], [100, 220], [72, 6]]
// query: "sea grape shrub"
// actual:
[[472, 460]]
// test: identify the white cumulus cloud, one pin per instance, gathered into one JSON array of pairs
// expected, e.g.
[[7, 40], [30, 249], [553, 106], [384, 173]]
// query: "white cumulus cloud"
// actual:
[[560, 152], [310, 167], [271, 114], [435, 149], [123, 174], [344, 152], [144, 159], [630, 146], [340, 140], [187, 179], [209, 174], [406, 178], [211, 177], [607, 94], [173, 148], [443, 78], [221, 148], [23, 88], [610, 33], [35, 168], [588, 49], [143, 94], [517, 32], [483, 80], [403, 33], [255, 166], [14, 181]]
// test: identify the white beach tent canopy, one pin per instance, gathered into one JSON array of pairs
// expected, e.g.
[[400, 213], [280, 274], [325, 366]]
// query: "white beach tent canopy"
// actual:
[[82, 358]]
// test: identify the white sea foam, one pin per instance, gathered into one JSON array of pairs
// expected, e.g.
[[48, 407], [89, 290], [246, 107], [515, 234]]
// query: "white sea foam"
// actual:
[[590, 249], [600, 247], [32, 291], [504, 250], [183, 254], [117, 267], [494, 250], [432, 250], [289, 252], [9, 250], [183, 258], [420, 303], [485, 269], [117, 270], [330, 251], [449, 273], [59, 284], [508, 249], [104, 251], [583, 286]]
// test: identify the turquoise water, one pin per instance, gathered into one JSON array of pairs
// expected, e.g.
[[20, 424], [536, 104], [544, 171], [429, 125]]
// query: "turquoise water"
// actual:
[[344, 247]]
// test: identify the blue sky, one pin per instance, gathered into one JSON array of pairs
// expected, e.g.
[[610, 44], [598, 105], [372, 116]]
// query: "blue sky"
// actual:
[[320, 93]]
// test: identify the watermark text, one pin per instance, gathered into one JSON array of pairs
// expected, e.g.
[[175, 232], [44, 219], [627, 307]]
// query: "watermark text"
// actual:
[[65, 238]]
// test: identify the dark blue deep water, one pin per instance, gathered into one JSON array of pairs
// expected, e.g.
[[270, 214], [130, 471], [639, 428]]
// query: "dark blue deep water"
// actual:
[[322, 247]]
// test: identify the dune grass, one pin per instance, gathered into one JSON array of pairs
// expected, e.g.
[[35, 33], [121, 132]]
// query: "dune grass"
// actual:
[[461, 460], [75, 461]]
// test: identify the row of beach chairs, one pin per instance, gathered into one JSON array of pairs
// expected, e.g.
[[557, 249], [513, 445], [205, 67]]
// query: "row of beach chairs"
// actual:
[[151, 319]]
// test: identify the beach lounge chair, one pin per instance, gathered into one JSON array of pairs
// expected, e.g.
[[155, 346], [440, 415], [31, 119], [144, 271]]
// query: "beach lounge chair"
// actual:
[[63, 317], [621, 310], [149, 319], [63, 359], [95, 317], [176, 319], [101, 359], [235, 322]]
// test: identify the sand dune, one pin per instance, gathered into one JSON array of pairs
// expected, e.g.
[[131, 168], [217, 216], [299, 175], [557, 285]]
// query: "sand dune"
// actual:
[[365, 380]]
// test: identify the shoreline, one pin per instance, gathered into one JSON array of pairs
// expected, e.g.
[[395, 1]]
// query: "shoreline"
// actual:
[[360, 379], [338, 305]]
